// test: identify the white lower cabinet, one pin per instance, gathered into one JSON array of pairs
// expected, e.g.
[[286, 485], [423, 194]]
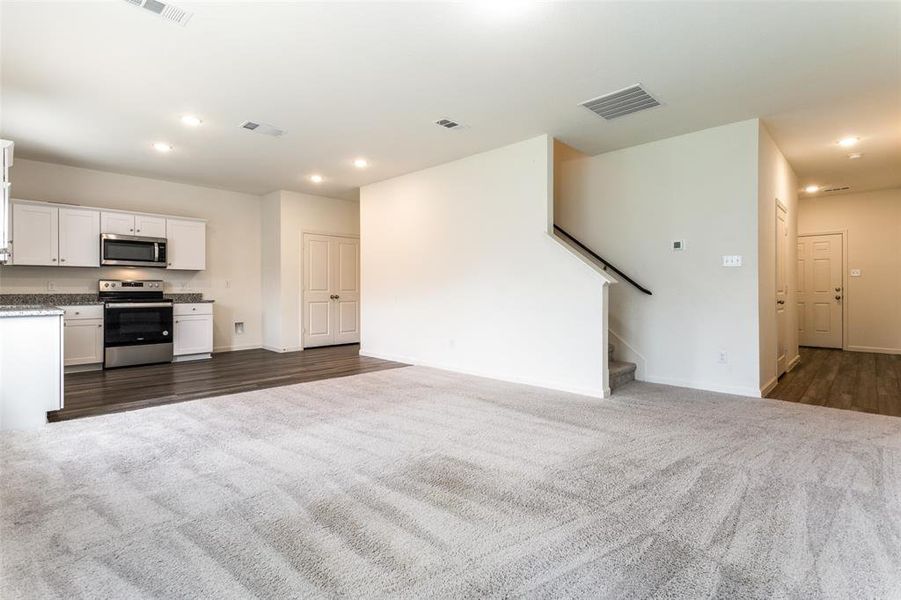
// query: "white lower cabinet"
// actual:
[[83, 337], [83, 342], [193, 331]]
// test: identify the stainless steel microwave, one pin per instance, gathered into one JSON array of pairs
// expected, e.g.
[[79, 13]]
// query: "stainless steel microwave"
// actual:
[[132, 250]]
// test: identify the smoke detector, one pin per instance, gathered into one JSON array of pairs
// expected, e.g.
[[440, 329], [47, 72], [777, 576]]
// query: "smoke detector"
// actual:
[[165, 10], [263, 128], [624, 102], [448, 124]]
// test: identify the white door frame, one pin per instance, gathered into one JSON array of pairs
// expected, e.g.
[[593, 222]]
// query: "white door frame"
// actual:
[[845, 295], [300, 310]]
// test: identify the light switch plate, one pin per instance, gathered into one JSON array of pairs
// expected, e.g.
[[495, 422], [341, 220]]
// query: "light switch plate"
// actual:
[[855, 272], [732, 260]]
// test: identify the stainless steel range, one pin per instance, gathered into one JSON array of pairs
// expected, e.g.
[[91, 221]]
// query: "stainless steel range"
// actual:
[[137, 323]]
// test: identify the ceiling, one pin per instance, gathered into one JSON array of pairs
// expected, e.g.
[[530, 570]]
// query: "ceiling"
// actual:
[[95, 84]]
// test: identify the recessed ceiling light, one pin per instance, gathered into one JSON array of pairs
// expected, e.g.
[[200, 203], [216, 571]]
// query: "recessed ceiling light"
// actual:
[[812, 189], [848, 142], [162, 147], [191, 121], [361, 163], [855, 155], [316, 178]]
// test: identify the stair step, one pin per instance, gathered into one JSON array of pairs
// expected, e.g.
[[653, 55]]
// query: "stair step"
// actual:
[[621, 373]]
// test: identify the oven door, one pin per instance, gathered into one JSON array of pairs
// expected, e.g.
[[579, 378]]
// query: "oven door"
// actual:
[[137, 323], [132, 250]]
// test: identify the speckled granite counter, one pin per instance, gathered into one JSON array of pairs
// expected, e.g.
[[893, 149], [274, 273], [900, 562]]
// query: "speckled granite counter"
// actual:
[[82, 299], [28, 310]]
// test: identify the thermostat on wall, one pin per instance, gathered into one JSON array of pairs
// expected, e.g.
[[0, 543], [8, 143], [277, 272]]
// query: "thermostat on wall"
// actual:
[[678, 245]]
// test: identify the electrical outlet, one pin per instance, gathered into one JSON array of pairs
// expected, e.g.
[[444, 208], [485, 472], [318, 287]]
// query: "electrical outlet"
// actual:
[[731, 260], [51, 286], [724, 357]]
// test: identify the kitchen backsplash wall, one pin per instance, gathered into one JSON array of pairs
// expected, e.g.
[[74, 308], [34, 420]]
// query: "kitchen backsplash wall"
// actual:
[[233, 274]]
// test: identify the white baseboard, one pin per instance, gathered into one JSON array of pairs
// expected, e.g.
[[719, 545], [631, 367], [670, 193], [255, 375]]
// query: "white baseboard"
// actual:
[[793, 363], [737, 390], [873, 349], [236, 348], [551, 385], [766, 389], [280, 350]]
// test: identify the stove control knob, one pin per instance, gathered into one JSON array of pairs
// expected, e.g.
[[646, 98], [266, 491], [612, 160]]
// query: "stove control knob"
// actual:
[[105, 285]]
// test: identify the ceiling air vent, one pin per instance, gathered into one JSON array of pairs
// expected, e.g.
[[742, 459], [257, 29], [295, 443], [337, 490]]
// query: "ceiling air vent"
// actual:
[[621, 103], [263, 128], [166, 11], [844, 188], [447, 124]]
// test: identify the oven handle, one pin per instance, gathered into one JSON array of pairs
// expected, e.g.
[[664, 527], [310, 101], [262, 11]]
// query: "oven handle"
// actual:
[[138, 304]]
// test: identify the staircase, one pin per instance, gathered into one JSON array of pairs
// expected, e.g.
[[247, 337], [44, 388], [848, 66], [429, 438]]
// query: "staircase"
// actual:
[[621, 372]]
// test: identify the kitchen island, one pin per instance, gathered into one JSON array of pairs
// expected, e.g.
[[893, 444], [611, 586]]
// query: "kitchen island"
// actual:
[[31, 365]]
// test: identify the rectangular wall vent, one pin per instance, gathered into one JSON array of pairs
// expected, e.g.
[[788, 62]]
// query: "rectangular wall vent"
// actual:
[[844, 188], [164, 10], [447, 124], [263, 128], [619, 104]]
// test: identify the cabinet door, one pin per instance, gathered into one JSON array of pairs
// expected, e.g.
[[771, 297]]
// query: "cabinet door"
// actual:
[[186, 246], [146, 226], [79, 237], [82, 342], [193, 335], [115, 222], [35, 234]]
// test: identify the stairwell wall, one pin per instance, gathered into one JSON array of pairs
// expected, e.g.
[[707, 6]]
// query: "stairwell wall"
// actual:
[[700, 328]]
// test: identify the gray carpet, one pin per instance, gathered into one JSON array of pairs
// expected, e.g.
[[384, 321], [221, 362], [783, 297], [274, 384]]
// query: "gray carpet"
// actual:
[[417, 483]]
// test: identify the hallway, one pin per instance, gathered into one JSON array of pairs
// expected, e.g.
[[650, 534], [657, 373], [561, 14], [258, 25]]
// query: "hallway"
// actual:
[[860, 381]]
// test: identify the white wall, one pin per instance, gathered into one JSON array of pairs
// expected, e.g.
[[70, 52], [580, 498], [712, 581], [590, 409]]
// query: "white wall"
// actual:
[[232, 276], [872, 221], [776, 180], [286, 216], [459, 272], [629, 205]]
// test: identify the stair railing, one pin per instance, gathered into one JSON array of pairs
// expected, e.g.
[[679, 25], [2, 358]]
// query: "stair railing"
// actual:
[[602, 260]]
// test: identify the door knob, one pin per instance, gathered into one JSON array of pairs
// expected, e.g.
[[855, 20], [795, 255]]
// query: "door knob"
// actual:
[[838, 289], [837, 297]]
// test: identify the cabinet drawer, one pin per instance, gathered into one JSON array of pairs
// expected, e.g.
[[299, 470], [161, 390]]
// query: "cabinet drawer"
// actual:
[[87, 311], [202, 308]]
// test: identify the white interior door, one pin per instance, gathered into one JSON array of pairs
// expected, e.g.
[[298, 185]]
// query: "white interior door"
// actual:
[[820, 290], [331, 290], [781, 291], [347, 290]]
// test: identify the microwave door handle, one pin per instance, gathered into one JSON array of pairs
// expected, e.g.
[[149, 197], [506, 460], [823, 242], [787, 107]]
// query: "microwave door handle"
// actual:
[[156, 252]]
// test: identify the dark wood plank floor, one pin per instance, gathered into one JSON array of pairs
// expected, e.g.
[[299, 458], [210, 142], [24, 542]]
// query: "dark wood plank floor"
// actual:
[[116, 390], [859, 381]]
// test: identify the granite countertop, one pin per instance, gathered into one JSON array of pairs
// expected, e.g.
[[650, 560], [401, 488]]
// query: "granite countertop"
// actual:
[[51, 300], [29, 310]]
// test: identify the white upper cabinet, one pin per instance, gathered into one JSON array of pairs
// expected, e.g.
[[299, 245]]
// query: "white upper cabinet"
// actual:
[[35, 234], [116, 222], [79, 237], [186, 247], [147, 226], [47, 234]]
